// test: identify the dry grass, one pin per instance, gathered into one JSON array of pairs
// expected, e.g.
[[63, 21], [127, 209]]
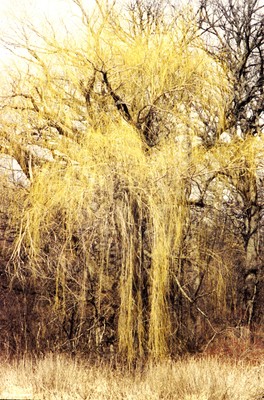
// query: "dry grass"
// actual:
[[58, 377]]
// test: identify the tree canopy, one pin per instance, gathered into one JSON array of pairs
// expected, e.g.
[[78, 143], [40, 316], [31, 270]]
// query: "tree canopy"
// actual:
[[140, 229]]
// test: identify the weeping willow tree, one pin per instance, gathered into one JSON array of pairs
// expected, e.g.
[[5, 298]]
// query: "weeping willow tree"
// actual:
[[102, 231]]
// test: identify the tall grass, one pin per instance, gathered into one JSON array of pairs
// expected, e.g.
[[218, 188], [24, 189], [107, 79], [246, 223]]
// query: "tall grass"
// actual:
[[59, 377]]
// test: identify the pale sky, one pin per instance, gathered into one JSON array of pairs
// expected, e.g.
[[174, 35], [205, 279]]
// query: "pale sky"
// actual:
[[35, 11]]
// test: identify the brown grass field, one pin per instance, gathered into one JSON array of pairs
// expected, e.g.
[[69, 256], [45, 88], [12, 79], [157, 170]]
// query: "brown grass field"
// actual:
[[205, 378]]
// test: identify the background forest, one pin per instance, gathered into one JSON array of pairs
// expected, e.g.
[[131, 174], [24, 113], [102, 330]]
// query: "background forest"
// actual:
[[132, 167]]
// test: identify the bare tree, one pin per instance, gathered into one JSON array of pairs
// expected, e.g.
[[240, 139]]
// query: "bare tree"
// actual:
[[234, 30], [234, 35], [146, 15]]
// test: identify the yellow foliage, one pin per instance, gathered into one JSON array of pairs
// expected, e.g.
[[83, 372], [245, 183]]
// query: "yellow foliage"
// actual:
[[108, 177]]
